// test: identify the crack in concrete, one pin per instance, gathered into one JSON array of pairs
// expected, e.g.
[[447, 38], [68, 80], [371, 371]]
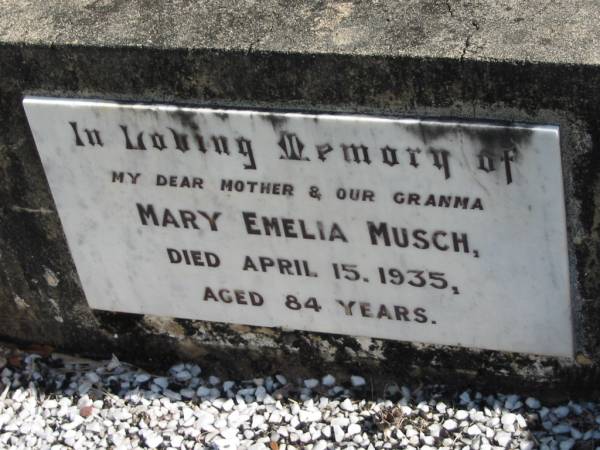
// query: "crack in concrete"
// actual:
[[257, 40], [252, 44], [467, 43], [466, 46], [449, 6], [474, 23]]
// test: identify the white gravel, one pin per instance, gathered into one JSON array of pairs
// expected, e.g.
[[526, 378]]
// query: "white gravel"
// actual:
[[52, 402]]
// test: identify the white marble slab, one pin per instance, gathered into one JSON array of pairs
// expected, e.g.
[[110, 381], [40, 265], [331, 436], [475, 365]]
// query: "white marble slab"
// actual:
[[427, 231]]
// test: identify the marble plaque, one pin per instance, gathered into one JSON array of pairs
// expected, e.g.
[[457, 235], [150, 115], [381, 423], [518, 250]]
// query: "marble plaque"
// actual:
[[429, 231]]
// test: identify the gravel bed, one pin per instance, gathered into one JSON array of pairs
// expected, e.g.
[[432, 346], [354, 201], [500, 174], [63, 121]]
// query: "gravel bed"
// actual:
[[56, 402]]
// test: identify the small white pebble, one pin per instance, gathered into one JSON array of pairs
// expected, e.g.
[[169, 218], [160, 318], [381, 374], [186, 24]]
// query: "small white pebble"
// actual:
[[567, 445], [561, 412], [561, 428], [353, 429], [347, 405], [502, 438], [465, 398], [338, 433], [142, 378], [50, 404], [311, 383], [508, 418], [473, 430], [461, 414], [152, 439], [526, 445], [93, 377], [357, 381], [163, 382], [450, 425], [328, 380]]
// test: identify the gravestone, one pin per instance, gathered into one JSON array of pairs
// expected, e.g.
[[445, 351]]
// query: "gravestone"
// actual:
[[367, 226], [324, 198]]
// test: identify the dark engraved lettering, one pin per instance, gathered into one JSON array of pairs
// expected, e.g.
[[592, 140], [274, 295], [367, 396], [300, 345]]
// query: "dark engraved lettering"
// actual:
[[356, 153], [249, 264], [169, 219], [209, 294], [376, 232], [78, 140], [193, 257], [414, 199], [128, 144], [365, 309], [420, 239], [158, 141], [401, 313], [431, 200], [93, 136], [420, 316], [240, 296], [322, 150], [444, 201], [438, 200], [147, 213], [288, 227], [292, 228], [393, 312], [271, 224], [461, 202], [436, 242], [250, 223], [383, 312], [188, 218], [413, 152], [390, 156], [507, 158], [181, 140], [245, 149], [226, 185], [289, 267], [486, 162], [266, 263], [383, 234], [133, 177], [347, 307], [460, 243], [440, 160], [365, 195], [400, 237], [285, 266], [292, 147], [179, 181], [211, 219], [220, 143], [399, 197], [225, 296], [200, 141], [477, 204]]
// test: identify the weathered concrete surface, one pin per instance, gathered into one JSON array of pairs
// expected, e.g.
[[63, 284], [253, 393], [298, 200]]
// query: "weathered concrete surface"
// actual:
[[542, 31], [514, 61]]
